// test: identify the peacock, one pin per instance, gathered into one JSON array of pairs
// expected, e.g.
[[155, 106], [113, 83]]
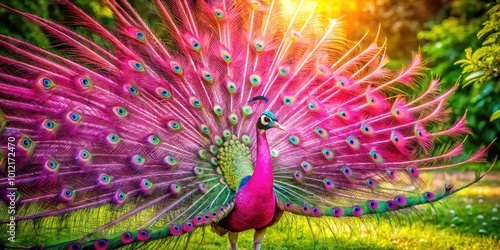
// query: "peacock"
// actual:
[[240, 112]]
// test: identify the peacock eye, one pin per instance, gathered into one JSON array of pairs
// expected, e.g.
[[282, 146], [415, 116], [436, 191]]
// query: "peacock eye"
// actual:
[[265, 120]]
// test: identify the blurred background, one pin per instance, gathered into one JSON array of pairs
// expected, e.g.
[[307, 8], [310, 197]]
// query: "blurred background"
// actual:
[[459, 40]]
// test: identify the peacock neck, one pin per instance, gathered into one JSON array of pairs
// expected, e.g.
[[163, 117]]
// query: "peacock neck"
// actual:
[[262, 177]]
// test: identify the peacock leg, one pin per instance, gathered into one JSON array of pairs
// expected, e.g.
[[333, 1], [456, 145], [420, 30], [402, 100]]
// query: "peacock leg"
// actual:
[[233, 240], [258, 238]]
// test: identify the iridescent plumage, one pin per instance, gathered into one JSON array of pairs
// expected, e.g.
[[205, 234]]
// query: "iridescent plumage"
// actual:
[[140, 138]]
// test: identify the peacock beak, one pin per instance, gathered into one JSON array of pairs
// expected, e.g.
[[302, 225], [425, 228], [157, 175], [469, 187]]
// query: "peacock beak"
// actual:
[[277, 125]]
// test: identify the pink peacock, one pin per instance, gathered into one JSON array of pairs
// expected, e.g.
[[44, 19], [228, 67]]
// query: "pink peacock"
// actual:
[[122, 137]]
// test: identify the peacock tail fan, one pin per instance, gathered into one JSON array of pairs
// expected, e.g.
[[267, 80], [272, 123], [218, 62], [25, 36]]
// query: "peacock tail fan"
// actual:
[[119, 136]]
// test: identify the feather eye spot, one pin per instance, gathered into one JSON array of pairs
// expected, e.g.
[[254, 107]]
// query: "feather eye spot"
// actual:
[[219, 14], [104, 179], [197, 171], [246, 139], [337, 212], [288, 100], [373, 205], [371, 183], [367, 130], [321, 132], [376, 157], [75, 246], [255, 80], [202, 153], [85, 82], [51, 165], [113, 139], [207, 76], [218, 110], [259, 47], [143, 235], [429, 196], [353, 142], [225, 56], [26, 142], [175, 230], [400, 200], [195, 44], [275, 153], [340, 83], [347, 172], [344, 114], [120, 112], [174, 125], [136, 65], [47, 83], [396, 112], [213, 149], [357, 210], [413, 171], [50, 125], [298, 176], [67, 195], [163, 93], [154, 140], [195, 103], [176, 68], [231, 87], [133, 90], [295, 35], [294, 140], [218, 140], [214, 161], [246, 111], [204, 129], [101, 244], [226, 133], [202, 188], [419, 133], [137, 161], [74, 117], [305, 209], [283, 71], [311, 106], [328, 154], [127, 238], [329, 185], [146, 185], [307, 167], [140, 36], [169, 160], [175, 188], [233, 119], [391, 204], [390, 173]]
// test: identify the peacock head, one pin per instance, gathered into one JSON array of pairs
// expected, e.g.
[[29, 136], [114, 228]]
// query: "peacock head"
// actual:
[[268, 120]]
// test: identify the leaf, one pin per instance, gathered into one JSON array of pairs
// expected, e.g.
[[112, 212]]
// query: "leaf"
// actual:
[[495, 116], [473, 77]]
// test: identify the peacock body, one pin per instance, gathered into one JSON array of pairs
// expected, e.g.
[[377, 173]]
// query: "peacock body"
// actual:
[[123, 137]]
